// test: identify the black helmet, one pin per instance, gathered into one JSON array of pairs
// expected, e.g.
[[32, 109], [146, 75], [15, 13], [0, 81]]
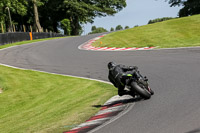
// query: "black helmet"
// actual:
[[111, 65]]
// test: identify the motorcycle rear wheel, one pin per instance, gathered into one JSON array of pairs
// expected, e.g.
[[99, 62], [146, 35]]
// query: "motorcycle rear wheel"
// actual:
[[141, 90]]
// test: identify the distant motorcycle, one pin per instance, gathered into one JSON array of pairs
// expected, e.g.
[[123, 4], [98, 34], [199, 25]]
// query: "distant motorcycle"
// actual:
[[138, 85]]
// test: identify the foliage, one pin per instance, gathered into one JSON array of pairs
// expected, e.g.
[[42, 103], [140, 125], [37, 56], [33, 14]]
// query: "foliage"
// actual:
[[119, 27], [159, 20], [112, 29], [83, 11], [65, 25], [94, 28], [98, 30], [126, 27], [190, 7], [52, 12], [16, 7]]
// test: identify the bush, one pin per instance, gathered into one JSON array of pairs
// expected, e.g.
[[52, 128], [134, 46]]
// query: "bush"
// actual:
[[119, 27], [112, 29], [65, 25], [94, 28], [126, 27], [159, 20], [98, 30]]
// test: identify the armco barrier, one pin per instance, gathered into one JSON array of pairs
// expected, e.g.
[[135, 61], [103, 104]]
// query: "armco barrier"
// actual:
[[22, 36]]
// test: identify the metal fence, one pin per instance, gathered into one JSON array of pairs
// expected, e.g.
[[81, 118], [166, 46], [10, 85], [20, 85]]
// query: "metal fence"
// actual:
[[8, 38]]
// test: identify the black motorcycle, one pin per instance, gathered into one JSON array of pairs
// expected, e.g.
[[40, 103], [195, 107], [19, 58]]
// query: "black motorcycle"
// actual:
[[138, 85]]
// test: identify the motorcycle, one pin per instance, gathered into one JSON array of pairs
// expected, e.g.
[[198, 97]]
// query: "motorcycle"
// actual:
[[138, 85]]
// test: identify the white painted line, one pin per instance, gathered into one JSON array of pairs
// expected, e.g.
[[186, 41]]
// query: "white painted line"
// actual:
[[56, 73]]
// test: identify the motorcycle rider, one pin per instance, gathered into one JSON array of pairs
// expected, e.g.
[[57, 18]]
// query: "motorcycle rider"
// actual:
[[118, 75]]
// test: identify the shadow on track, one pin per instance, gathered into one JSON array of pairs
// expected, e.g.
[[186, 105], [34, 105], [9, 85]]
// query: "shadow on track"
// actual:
[[194, 131], [124, 101]]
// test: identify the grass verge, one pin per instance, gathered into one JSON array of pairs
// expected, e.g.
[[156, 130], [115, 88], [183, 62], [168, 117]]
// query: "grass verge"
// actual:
[[29, 41], [180, 32], [39, 102]]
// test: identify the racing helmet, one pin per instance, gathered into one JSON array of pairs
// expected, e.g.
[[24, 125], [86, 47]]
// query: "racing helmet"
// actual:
[[111, 65]]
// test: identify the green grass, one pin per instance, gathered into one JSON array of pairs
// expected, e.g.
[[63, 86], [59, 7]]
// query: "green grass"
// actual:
[[180, 32], [39, 102], [29, 41]]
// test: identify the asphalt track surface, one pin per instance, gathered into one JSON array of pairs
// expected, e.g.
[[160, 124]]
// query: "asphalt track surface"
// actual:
[[174, 75]]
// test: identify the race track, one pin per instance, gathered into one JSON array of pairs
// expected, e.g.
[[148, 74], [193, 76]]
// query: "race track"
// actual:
[[174, 75]]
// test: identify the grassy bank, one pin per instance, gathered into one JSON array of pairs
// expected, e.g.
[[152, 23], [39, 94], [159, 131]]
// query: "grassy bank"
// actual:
[[40, 102], [180, 32], [26, 42]]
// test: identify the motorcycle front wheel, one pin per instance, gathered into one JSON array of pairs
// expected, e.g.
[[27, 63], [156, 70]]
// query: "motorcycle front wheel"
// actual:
[[141, 90]]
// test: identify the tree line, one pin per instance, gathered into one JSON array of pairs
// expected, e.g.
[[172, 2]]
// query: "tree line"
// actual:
[[95, 29], [190, 7], [69, 15], [159, 20], [51, 15]]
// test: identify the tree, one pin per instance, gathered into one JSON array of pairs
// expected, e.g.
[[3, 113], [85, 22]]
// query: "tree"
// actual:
[[119, 27], [83, 11], [23, 12], [50, 13], [126, 27], [190, 7], [15, 7], [112, 29], [37, 21], [65, 25], [98, 30], [94, 28]]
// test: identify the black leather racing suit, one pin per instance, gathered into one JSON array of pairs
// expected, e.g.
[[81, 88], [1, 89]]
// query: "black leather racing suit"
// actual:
[[117, 75]]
